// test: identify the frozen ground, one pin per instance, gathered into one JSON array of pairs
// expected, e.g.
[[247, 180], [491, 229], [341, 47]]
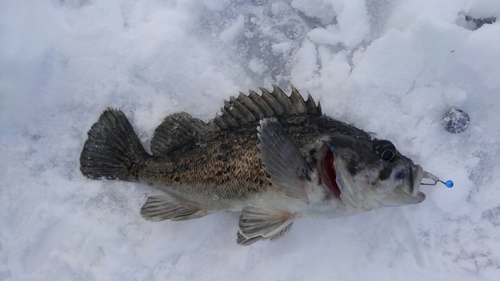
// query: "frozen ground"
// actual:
[[388, 66]]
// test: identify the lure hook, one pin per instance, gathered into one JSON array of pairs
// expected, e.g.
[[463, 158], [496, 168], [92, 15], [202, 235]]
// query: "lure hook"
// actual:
[[427, 175]]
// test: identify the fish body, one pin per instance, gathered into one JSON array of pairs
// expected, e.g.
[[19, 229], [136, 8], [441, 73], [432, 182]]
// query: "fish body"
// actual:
[[274, 158]]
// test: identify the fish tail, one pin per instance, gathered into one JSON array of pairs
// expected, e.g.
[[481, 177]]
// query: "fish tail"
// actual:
[[112, 150]]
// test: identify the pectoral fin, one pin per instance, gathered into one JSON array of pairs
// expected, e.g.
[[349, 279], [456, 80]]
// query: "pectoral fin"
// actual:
[[158, 208], [282, 160]]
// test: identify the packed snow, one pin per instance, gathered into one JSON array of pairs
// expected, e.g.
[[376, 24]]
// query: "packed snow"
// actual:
[[392, 67]]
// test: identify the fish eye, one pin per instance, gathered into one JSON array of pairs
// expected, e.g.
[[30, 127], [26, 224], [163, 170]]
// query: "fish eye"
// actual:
[[385, 149]]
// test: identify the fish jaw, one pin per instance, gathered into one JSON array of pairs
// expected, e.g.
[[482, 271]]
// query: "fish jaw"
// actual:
[[362, 180], [407, 192]]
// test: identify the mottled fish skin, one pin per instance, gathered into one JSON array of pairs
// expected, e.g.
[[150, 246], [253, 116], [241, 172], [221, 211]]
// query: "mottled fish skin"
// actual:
[[227, 165], [273, 157]]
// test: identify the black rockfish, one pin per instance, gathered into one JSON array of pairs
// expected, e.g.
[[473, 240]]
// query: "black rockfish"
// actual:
[[271, 157]]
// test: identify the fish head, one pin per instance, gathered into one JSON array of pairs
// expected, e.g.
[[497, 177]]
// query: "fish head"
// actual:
[[368, 173]]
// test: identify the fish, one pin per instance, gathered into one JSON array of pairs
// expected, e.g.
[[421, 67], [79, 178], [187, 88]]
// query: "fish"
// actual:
[[274, 158]]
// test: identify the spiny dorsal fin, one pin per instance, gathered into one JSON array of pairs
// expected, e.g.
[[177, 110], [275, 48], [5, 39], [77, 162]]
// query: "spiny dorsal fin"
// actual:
[[285, 102], [250, 108], [241, 113], [273, 103], [298, 102], [312, 109], [177, 130], [262, 104]]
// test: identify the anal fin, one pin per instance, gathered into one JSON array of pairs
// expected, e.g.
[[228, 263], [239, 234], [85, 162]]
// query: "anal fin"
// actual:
[[256, 221], [164, 207]]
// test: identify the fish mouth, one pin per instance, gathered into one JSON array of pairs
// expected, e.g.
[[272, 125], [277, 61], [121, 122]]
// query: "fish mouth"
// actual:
[[328, 173], [414, 179]]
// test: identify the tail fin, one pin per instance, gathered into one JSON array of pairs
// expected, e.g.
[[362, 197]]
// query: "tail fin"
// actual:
[[112, 148]]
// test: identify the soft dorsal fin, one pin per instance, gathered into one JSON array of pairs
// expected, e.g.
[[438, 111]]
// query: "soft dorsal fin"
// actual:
[[246, 109], [177, 130]]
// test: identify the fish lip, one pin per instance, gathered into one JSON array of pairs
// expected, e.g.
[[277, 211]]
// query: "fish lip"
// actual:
[[417, 173], [413, 178]]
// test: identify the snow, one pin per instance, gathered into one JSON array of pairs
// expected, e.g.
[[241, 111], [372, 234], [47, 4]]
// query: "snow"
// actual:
[[352, 20], [393, 67], [234, 30]]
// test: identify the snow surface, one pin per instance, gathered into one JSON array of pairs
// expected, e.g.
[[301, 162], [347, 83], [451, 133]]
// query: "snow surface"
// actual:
[[393, 67]]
